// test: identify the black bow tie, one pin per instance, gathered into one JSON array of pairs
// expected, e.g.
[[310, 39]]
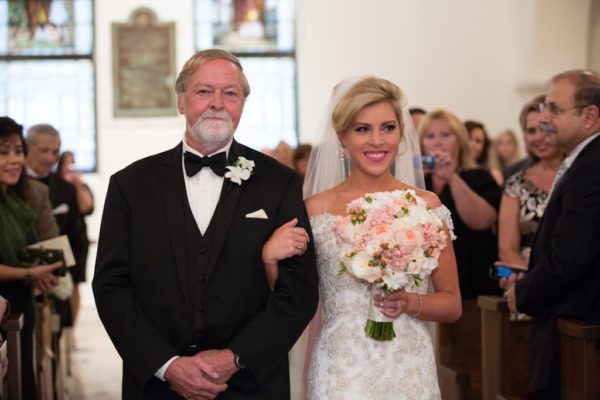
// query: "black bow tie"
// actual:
[[194, 163]]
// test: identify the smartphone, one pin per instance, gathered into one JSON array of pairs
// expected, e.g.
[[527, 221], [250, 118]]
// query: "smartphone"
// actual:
[[501, 269], [428, 161]]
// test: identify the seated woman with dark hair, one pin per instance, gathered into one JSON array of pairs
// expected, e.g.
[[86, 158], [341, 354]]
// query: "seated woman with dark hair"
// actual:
[[17, 230]]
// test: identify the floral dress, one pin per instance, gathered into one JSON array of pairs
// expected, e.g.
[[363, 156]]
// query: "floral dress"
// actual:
[[532, 202]]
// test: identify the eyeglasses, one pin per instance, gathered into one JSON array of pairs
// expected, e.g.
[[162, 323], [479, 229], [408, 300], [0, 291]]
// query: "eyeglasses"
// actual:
[[555, 110]]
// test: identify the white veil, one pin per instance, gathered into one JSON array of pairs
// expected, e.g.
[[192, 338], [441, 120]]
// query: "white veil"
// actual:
[[326, 168]]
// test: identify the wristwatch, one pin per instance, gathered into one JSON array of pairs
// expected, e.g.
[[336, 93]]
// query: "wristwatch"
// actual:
[[238, 361]]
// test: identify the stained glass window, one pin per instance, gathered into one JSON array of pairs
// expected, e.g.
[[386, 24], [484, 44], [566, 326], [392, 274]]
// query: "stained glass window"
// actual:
[[47, 70], [262, 34]]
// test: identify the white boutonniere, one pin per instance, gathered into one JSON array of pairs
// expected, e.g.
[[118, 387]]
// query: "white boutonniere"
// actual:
[[240, 170]]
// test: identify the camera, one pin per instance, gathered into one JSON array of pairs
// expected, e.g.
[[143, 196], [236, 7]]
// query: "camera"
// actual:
[[428, 161]]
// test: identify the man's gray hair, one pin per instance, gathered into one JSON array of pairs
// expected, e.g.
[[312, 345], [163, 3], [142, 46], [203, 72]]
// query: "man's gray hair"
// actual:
[[40, 129]]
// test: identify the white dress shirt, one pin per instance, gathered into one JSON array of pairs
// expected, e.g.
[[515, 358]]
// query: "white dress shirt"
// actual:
[[203, 191]]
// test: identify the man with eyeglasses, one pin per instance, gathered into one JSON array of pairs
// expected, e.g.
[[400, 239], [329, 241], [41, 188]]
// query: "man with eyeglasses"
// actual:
[[563, 278]]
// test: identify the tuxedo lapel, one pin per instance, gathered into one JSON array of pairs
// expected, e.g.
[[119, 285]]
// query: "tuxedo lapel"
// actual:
[[174, 198], [230, 195]]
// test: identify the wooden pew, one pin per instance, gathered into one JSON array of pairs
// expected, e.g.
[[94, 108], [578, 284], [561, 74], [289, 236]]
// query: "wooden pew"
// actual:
[[3, 360], [458, 353], [579, 360], [505, 350], [11, 328]]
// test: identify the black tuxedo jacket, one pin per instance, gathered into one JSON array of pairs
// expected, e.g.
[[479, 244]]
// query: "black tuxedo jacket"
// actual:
[[63, 197], [564, 269], [144, 293]]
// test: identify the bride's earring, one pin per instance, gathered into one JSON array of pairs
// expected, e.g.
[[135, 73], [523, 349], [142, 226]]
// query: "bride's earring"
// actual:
[[342, 154]]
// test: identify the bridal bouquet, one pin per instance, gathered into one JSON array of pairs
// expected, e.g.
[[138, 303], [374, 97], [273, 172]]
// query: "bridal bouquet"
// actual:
[[392, 240]]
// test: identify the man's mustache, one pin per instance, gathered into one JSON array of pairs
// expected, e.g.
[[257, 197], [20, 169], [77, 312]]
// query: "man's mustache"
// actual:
[[215, 114], [548, 128]]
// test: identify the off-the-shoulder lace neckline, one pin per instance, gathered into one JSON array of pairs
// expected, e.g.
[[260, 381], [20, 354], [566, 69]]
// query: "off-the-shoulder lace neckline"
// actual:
[[327, 214]]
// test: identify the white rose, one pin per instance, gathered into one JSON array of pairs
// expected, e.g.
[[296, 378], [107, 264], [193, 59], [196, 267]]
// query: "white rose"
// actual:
[[396, 280], [359, 266]]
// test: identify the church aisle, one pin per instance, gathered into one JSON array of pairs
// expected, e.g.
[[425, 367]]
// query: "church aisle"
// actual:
[[96, 366]]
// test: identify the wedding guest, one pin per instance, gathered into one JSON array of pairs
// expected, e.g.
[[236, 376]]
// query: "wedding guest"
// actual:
[[179, 282], [43, 141], [470, 193], [563, 274], [480, 146], [526, 192], [17, 229], [300, 158], [368, 123], [67, 170], [416, 115], [283, 153], [507, 152], [85, 200]]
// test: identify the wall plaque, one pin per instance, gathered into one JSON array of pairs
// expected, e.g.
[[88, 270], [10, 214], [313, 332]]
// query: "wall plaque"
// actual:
[[144, 66]]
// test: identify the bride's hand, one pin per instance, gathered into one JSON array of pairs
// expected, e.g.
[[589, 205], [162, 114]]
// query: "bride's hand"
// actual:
[[392, 305], [287, 241]]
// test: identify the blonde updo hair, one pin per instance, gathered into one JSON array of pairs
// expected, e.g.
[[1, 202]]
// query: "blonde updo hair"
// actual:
[[456, 128], [368, 91]]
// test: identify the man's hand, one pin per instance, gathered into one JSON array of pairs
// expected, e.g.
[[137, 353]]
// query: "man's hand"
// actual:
[[194, 378], [223, 362], [509, 286]]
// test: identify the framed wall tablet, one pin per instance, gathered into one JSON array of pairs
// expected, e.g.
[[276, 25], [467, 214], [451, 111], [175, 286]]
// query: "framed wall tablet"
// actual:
[[143, 66]]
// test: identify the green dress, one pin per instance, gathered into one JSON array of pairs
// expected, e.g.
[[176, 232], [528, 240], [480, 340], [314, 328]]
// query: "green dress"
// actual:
[[16, 231]]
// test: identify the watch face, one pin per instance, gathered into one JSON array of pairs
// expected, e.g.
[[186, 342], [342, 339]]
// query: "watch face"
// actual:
[[239, 363]]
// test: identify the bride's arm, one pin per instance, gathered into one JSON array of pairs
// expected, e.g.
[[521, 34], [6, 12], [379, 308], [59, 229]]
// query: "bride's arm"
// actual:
[[444, 304], [287, 241]]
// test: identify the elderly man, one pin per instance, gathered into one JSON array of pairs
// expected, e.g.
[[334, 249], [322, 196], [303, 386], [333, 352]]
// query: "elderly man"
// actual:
[[564, 269], [180, 285], [43, 141]]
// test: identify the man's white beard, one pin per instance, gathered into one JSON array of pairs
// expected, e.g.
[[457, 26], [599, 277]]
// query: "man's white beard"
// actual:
[[212, 133]]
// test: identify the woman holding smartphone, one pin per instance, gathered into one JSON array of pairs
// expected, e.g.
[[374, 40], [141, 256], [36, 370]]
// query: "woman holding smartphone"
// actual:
[[526, 192]]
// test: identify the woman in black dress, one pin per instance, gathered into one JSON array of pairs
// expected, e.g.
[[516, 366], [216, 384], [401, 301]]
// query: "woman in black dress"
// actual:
[[470, 193]]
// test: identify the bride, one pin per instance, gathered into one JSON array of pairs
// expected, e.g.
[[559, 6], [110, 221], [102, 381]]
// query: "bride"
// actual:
[[368, 134]]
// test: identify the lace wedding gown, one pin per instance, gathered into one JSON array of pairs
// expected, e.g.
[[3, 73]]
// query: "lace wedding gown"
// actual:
[[346, 364]]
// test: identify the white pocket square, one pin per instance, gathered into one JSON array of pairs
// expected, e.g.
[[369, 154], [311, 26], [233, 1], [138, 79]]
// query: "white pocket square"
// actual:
[[260, 214], [61, 209]]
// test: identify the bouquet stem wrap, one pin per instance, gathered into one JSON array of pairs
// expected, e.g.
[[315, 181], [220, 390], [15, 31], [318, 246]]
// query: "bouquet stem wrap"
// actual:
[[379, 327]]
